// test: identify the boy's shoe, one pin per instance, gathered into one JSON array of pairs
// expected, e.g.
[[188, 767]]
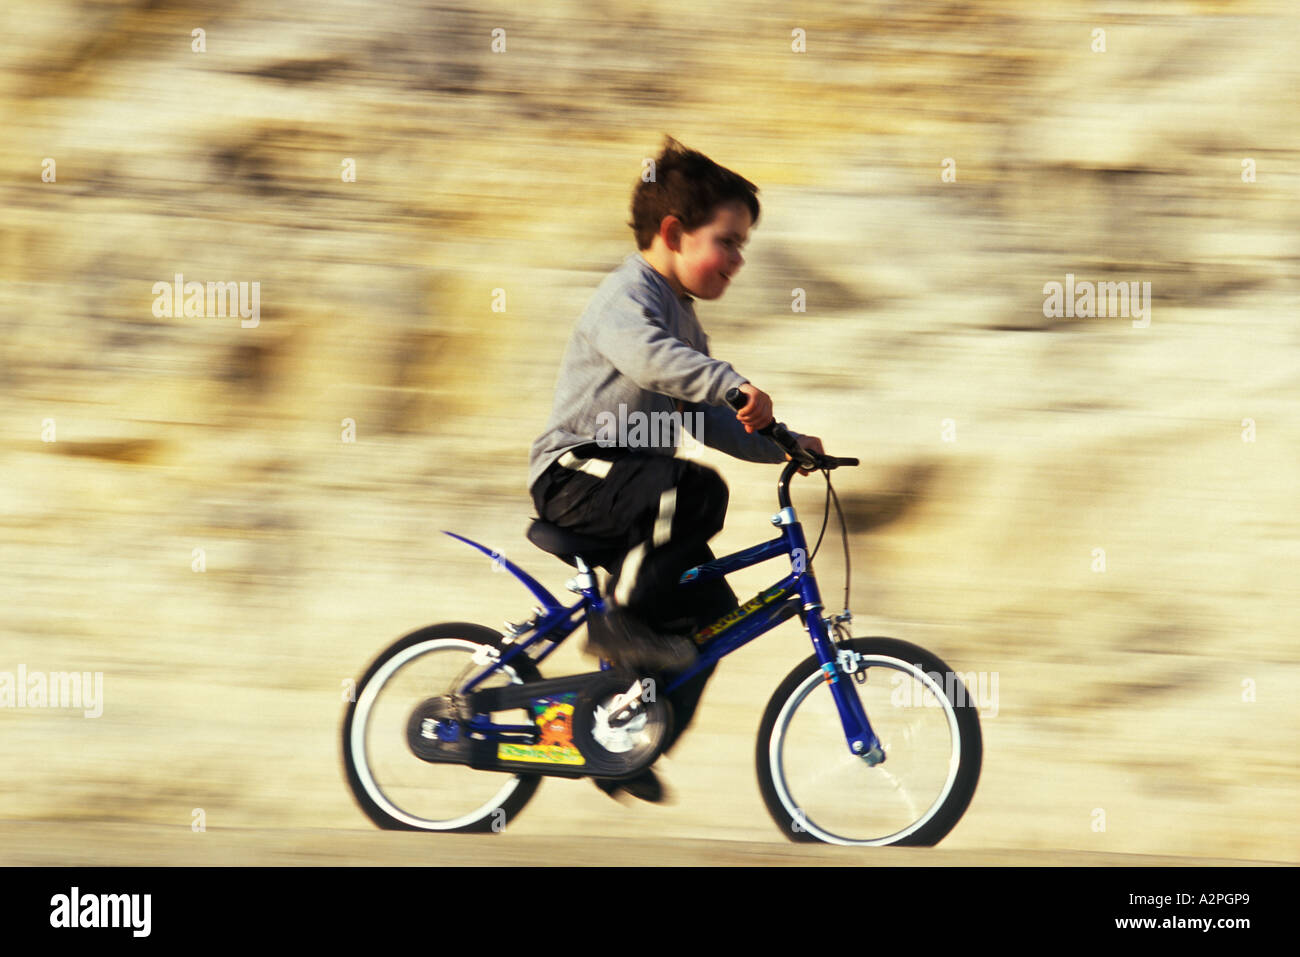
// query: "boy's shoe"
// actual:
[[645, 786], [631, 643]]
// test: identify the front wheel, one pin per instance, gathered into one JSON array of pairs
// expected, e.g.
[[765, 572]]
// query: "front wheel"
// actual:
[[396, 789], [922, 713]]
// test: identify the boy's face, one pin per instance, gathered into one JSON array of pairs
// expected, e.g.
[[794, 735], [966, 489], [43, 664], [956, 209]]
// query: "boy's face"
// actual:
[[710, 254]]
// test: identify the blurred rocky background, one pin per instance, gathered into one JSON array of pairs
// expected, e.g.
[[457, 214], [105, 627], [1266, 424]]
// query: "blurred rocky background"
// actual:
[[1102, 514]]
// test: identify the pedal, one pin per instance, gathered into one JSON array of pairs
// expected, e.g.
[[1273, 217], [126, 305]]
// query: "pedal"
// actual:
[[626, 707]]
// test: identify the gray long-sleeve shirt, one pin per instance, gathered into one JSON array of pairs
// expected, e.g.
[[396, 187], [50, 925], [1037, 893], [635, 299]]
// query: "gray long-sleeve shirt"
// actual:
[[637, 355]]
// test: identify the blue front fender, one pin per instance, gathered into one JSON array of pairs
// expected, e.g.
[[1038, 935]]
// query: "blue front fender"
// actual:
[[549, 604]]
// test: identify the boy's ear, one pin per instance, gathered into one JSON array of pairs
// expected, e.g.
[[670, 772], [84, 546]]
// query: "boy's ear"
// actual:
[[670, 231]]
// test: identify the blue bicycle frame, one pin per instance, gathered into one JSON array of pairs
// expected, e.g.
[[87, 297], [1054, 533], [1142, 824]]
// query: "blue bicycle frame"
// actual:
[[553, 622]]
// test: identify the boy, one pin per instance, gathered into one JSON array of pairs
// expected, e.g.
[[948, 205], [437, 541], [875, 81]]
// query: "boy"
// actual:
[[639, 357]]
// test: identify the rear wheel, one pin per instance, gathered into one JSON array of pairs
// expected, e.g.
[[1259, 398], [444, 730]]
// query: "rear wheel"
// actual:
[[925, 719], [395, 788]]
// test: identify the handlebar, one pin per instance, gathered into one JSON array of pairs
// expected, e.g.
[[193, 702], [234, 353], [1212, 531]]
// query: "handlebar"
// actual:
[[778, 433]]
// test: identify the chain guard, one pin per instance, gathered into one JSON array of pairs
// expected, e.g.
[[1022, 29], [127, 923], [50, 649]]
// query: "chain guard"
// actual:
[[605, 724]]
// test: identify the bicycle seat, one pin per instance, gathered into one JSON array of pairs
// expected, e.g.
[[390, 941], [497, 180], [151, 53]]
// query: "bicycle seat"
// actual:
[[564, 544]]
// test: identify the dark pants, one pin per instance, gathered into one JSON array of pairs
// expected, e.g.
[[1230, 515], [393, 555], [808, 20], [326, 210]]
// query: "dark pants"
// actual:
[[663, 510]]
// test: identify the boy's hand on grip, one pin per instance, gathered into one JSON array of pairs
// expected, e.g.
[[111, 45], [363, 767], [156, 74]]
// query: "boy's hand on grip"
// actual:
[[813, 444], [757, 412]]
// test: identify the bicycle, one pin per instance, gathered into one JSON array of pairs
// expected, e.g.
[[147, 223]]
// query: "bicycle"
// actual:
[[826, 772]]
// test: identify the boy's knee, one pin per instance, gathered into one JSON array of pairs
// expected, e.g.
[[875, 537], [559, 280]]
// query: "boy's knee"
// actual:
[[703, 495]]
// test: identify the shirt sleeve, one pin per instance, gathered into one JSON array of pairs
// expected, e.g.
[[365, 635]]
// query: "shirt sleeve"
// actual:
[[721, 430], [632, 334]]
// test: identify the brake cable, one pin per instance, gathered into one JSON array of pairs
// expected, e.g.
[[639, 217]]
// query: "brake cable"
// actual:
[[839, 622], [826, 513]]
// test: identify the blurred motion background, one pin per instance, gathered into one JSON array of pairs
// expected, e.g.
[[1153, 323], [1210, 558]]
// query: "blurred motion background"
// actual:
[[1144, 706]]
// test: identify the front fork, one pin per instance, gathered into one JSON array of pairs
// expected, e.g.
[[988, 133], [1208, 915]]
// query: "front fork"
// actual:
[[862, 741]]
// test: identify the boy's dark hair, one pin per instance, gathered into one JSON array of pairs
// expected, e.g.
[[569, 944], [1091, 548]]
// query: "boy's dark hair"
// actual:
[[688, 185]]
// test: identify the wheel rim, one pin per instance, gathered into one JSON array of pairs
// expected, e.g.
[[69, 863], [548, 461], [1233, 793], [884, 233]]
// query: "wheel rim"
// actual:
[[834, 795], [415, 779]]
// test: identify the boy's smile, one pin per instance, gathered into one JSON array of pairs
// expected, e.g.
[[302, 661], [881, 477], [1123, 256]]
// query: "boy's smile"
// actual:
[[702, 262]]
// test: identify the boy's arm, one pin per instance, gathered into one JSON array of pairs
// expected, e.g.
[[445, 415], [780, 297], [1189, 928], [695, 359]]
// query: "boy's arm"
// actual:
[[631, 334], [721, 430]]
